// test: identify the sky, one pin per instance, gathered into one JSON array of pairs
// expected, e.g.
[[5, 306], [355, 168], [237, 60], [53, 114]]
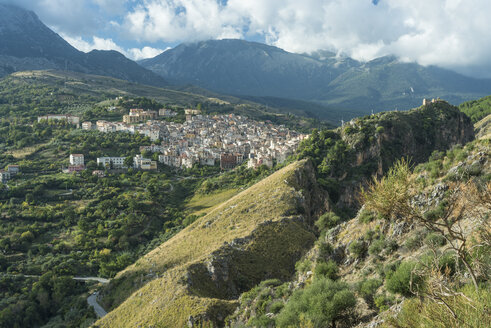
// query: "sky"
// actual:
[[454, 34]]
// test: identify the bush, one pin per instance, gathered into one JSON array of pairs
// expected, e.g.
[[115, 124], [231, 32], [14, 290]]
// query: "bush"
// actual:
[[447, 263], [276, 307], [368, 288], [325, 250], [357, 249], [303, 266], [260, 321], [415, 313], [376, 247], [403, 280], [391, 246], [366, 216], [327, 269], [413, 243], [327, 220], [321, 304], [434, 240], [383, 302]]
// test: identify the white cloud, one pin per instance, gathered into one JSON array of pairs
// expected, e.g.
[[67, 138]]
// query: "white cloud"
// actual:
[[109, 44], [449, 33], [143, 53]]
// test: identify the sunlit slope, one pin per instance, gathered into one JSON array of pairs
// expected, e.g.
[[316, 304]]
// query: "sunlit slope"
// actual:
[[197, 275]]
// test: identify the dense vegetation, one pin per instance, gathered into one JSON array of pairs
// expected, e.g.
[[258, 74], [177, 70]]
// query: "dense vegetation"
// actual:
[[54, 225], [477, 109], [365, 146], [405, 248]]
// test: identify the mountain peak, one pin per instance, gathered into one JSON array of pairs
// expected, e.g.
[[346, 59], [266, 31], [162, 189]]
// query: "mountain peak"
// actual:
[[14, 18], [28, 44]]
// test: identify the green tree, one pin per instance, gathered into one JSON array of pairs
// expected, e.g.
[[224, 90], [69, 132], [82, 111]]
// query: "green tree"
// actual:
[[128, 161]]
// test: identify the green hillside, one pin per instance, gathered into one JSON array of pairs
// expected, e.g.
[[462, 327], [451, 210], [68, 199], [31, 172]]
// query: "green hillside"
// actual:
[[196, 277], [24, 95], [256, 235], [399, 262], [477, 109]]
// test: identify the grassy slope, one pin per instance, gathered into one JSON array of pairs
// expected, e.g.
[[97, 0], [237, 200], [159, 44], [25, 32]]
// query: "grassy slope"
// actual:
[[483, 127], [76, 93], [266, 215], [79, 83], [201, 204]]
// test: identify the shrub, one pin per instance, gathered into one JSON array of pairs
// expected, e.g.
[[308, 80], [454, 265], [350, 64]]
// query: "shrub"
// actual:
[[270, 283], [376, 247], [434, 240], [366, 216], [413, 243], [380, 129], [303, 266], [327, 269], [383, 302], [327, 220], [475, 313], [403, 280], [276, 307], [260, 321], [357, 249], [325, 249], [367, 289], [322, 303], [448, 263]]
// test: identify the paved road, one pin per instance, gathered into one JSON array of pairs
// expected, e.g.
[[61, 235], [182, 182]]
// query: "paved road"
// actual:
[[101, 280], [92, 300]]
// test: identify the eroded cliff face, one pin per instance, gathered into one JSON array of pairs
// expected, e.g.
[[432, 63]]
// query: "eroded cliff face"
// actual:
[[377, 142], [196, 277]]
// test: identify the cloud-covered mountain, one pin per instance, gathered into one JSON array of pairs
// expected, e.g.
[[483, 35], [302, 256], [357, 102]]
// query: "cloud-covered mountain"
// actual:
[[27, 44], [247, 68]]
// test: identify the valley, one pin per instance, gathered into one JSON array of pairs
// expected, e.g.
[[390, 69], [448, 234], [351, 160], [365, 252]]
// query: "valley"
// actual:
[[168, 164]]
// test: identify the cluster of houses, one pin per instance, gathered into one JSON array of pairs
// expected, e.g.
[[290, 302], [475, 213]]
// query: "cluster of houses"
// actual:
[[206, 140], [77, 163], [138, 120], [227, 139]]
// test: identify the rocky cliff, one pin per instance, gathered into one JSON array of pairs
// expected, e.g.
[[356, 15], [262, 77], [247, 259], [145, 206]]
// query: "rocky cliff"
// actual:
[[370, 145]]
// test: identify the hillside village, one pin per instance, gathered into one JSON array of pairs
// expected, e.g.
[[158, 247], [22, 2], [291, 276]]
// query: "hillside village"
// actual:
[[228, 140]]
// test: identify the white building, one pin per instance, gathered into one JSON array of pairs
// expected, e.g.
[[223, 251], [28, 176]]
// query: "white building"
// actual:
[[77, 159], [142, 163], [111, 162], [87, 125], [4, 176]]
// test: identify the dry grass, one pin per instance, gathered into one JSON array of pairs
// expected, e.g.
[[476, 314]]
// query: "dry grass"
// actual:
[[26, 151], [168, 301], [201, 204]]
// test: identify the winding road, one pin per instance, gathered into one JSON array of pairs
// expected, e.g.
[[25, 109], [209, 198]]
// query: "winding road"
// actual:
[[91, 300], [99, 310]]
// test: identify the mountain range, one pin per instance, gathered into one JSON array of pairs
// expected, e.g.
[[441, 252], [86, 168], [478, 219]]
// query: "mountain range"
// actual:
[[322, 84], [253, 69], [28, 44]]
